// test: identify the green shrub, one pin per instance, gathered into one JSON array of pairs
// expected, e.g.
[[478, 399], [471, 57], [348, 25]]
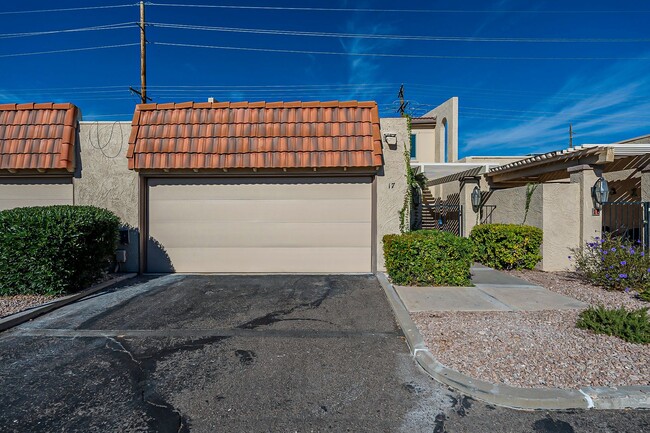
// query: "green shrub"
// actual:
[[632, 326], [614, 263], [428, 258], [645, 295], [507, 246], [54, 249]]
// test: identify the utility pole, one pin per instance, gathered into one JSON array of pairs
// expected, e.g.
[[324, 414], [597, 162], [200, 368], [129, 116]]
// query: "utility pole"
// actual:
[[143, 56], [570, 135], [143, 59]]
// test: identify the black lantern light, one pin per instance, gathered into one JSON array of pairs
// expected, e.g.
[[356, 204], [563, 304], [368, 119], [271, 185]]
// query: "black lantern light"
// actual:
[[600, 193], [476, 198]]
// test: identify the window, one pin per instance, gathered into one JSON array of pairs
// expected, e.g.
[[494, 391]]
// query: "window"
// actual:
[[413, 136]]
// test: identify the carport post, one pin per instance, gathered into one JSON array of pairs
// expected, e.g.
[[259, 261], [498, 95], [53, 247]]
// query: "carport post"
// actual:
[[590, 221]]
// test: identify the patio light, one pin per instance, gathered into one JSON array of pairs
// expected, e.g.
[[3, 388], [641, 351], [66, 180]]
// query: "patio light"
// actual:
[[600, 193], [476, 199]]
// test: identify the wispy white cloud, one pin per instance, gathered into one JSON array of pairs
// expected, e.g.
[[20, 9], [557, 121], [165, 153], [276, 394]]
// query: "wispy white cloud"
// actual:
[[365, 69], [615, 102]]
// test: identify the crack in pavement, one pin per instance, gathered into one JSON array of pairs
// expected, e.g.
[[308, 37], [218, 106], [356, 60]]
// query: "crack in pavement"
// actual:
[[163, 417], [276, 316]]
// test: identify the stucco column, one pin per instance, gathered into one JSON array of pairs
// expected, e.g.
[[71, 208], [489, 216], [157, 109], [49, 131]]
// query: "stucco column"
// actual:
[[645, 183], [391, 184], [470, 217], [590, 223]]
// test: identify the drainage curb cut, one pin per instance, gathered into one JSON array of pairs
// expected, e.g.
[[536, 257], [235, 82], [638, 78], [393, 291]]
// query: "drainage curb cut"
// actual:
[[27, 315], [504, 395]]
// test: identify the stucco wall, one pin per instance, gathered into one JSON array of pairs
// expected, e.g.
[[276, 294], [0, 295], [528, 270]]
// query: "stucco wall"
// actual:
[[511, 206], [391, 183], [561, 225], [103, 179], [425, 144], [445, 112], [554, 208]]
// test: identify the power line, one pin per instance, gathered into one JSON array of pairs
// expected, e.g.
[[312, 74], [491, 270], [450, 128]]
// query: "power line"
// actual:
[[80, 29], [437, 11], [412, 56], [67, 9], [70, 50], [393, 36]]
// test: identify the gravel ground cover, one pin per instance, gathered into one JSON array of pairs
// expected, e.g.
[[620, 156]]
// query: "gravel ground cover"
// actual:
[[538, 348], [14, 304]]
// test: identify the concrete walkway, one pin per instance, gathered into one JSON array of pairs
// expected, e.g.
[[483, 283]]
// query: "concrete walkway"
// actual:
[[492, 291]]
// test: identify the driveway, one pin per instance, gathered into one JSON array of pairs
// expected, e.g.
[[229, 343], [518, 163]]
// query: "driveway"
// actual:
[[242, 353]]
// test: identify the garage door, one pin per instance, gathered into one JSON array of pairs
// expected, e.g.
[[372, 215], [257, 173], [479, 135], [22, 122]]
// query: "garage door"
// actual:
[[260, 225], [35, 192]]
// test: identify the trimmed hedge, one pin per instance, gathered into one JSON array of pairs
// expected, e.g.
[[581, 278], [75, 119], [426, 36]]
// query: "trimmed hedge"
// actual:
[[428, 258], [54, 249], [507, 246]]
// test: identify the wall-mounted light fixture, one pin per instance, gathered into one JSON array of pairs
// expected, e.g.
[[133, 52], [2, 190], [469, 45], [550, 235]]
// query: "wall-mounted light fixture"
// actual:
[[476, 198], [391, 139], [600, 193]]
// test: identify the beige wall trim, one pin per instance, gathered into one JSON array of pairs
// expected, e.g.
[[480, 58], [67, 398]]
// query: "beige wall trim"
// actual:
[[373, 229]]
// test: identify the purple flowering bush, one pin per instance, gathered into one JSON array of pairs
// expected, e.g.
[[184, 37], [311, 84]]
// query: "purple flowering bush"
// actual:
[[615, 264]]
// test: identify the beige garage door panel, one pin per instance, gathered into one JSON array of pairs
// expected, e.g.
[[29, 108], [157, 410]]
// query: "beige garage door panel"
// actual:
[[265, 235], [262, 225], [211, 210], [271, 260], [245, 189], [27, 192]]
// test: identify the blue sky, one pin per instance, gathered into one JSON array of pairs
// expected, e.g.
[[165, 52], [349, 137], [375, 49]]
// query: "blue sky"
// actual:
[[522, 70]]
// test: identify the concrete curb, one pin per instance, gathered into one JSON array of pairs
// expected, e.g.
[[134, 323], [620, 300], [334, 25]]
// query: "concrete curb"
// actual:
[[634, 397], [29, 314]]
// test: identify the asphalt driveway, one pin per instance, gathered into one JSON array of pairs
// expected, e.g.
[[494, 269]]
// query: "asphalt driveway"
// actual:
[[242, 353]]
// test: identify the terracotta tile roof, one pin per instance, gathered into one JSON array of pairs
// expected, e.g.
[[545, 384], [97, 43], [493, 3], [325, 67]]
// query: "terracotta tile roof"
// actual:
[[37, 136], [218, 135]]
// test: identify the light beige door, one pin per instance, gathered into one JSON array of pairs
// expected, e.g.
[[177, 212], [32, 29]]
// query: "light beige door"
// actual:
[[260, 225], [23, 192]]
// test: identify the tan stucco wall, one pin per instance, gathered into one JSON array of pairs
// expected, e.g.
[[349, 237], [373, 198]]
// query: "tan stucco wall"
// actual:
[[445, 112], [103, 179], [560, 225], [554, 208], [625, 185], [391, 184], [425, 144]]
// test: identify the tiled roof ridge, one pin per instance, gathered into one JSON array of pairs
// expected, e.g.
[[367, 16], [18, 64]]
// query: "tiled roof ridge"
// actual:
[[170, 142], [257, 104], [37, 106], [64, 158]]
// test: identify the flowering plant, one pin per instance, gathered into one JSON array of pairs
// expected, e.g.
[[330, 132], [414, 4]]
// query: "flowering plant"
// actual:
[[614, 263]]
